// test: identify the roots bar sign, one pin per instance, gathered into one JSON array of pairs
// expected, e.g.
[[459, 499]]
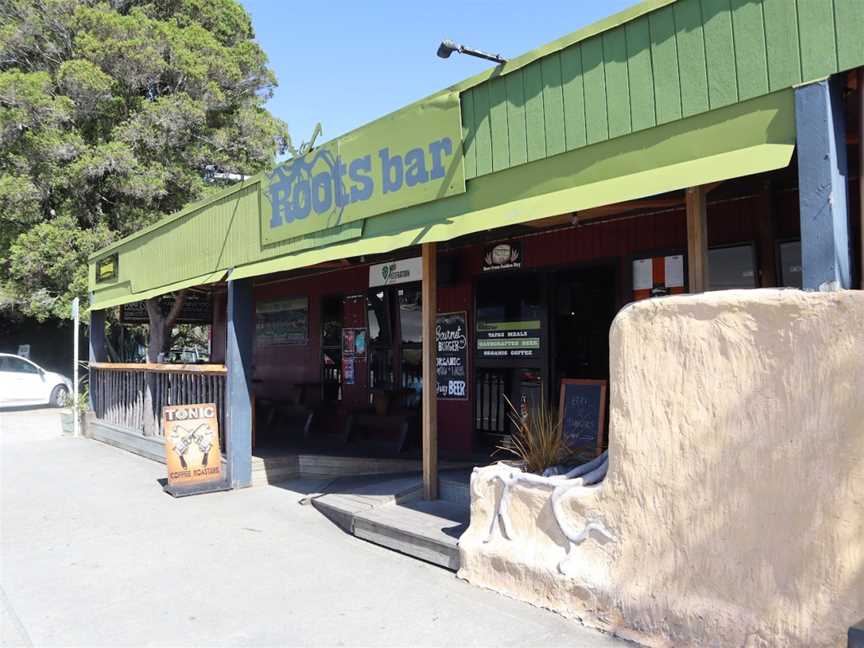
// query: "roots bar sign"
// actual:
[[407, 158], [191, 446]]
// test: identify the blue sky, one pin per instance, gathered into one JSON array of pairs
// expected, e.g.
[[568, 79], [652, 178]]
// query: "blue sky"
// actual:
[[347, 63]]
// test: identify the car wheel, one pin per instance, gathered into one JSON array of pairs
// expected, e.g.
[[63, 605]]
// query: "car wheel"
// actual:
[[59, 396]]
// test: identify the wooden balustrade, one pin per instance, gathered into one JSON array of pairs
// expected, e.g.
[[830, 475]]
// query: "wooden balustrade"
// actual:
[[119, 392]]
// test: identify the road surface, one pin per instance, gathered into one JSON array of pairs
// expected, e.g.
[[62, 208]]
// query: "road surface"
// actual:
[[93, 553]]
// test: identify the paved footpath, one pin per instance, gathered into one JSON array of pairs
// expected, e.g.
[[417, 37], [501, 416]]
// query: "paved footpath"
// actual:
[[93, 553]]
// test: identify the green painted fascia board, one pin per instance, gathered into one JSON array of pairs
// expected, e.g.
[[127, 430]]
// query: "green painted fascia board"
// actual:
[[186, 211], [739, 140], [202, 280]]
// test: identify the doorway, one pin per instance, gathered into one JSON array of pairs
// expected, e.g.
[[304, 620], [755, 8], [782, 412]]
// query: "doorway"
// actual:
[[583, 307]]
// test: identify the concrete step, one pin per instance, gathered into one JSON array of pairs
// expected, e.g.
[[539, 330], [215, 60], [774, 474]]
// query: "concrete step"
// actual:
[[348, 496], [455, 486], [426, 530]]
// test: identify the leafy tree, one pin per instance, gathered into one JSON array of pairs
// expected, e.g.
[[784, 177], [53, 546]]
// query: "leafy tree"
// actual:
[[111, 116]]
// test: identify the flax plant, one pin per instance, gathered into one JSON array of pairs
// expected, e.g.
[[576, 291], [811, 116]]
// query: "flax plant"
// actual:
[[538, 442]]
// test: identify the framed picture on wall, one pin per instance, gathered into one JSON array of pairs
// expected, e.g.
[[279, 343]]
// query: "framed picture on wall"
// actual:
[[282, 321]]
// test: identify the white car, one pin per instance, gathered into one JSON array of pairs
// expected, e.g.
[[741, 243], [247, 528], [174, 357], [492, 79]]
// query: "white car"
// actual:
[[25, 383]]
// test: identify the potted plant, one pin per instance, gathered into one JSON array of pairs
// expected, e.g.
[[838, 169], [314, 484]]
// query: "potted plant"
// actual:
[[538, 442]]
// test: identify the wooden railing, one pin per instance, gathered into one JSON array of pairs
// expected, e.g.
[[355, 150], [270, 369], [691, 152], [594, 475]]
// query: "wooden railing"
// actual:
[[133, 395]]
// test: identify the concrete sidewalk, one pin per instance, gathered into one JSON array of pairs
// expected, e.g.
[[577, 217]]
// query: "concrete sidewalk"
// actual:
[[92, 552]]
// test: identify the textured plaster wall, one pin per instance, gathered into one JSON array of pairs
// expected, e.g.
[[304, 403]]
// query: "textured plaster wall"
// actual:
[[735, 491]]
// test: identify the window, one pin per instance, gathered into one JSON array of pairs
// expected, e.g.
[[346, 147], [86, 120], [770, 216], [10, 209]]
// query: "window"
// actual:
[[331, 348], [17, 365], [732, 266], [514, 299], [790, 264], [411, 343], [381, 372], [396, 341]]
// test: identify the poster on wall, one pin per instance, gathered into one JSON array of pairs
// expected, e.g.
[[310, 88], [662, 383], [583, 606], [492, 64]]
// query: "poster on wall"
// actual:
[[353, 342], [518, 339], [348, 370], [192, 454], [452, 355], [658, 276], [282, 321]]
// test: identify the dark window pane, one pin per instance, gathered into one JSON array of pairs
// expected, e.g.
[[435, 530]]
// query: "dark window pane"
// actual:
[[331, 322], [379, 324], [510, 299], [410, 315], [790, 265], [731, 267], [17, 365]]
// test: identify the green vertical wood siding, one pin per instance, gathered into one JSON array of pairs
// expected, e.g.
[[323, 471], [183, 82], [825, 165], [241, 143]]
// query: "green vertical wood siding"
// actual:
[[676, 61]]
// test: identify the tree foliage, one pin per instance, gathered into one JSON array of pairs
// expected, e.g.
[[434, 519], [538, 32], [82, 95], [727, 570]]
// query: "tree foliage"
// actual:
[[111, 116]]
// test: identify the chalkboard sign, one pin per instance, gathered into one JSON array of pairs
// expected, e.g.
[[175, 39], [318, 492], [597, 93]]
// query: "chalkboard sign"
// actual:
[[582, 412], [452, 356]]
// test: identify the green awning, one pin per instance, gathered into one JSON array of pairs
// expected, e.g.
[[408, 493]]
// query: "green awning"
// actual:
[[743, 139], [128, 298]]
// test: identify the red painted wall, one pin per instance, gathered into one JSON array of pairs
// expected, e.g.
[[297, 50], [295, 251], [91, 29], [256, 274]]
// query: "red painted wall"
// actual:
[[278, 367]]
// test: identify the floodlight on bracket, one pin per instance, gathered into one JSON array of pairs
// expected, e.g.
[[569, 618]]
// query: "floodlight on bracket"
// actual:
[[447, 47]]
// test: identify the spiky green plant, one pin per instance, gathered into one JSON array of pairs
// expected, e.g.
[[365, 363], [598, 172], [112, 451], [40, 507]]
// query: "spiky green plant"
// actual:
[[538, 441]]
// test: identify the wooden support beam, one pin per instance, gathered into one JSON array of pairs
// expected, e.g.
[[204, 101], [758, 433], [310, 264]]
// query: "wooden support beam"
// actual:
[[430, 383], [765, 237], [697, 239]]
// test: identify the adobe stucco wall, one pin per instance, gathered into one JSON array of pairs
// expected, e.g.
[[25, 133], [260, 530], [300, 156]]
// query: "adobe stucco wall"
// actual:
[[735, 491]]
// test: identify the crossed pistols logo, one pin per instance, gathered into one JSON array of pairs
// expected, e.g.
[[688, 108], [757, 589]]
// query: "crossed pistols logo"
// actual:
[[191, 443], [184, 438]]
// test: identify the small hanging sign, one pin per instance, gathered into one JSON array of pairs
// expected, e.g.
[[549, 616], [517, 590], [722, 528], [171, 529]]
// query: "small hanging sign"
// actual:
[[503, 256]]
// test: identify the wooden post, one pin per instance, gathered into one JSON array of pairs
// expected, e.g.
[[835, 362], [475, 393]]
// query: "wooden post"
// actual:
[[430, 383], [96, 335], [765, 237], [697, 239]]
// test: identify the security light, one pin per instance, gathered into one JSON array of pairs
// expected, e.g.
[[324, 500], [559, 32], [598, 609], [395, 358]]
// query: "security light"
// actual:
[[447, 47]]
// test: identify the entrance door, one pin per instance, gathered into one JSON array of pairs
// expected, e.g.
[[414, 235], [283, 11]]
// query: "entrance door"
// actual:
[[584, 306], [396, 342], [510, 350]]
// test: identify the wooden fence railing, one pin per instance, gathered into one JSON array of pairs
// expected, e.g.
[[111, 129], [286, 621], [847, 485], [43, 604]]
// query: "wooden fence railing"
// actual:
[[119, 392]]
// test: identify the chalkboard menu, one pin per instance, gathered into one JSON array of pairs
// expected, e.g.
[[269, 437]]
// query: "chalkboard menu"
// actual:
[[452, 356], [582, 412], [197, 309]]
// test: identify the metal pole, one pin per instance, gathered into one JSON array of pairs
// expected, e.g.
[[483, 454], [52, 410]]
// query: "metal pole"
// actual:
[[75, 418]]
